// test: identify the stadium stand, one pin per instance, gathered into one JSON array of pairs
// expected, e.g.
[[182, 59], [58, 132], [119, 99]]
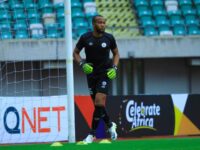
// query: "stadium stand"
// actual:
[[169, 17], [23, 19]]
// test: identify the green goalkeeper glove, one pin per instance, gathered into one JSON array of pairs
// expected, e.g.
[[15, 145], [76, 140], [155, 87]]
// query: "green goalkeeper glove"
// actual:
[[86, 67], [112, 72]]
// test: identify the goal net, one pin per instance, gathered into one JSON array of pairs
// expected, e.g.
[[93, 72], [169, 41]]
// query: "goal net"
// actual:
[[33, 101]]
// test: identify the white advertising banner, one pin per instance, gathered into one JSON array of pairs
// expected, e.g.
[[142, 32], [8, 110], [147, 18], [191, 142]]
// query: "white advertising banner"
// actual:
[[33, 119]]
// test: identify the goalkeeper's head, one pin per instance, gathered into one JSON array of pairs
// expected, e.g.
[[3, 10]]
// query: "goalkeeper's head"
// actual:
[[99, 23]]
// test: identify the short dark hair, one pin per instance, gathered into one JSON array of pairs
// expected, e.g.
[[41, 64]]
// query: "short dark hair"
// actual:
[[94, 18]]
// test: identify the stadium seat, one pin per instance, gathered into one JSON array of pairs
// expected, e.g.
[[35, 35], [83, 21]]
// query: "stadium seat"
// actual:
[[185, 4], [76, 4], [61, 19], [150, 31], [4, 6], [13, 2], [31, 8], [177, 22], [21, 31], [61, 31], [46, 8], [5, 21], [5, 31], [18, 13], [149, 28], [59, 8], [148, 23], [141, 5], [160, 14], [145, 15], [49, 18], [52, 31], [179, 30], [34, 18], [20, 18], [80, 22], [157, 13], [43, 2], [190, 15], [84, 1], [145, 19], [178, 27], [28, 2], [198, 12], [17, 8], [90, 7], [60, 15], [189, 12], [36, 31], [197, 4], [163, 26], [193, 30], [5, 15], [76, 0], [81, 31], [156, 5], [192, 22], [77, 8], [174, 15], [78, 19], [171, 5], [78, 14]]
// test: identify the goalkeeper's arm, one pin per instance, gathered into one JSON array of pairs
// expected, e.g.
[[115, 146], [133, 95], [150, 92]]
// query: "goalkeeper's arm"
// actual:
[[116, 56], [76, 55]]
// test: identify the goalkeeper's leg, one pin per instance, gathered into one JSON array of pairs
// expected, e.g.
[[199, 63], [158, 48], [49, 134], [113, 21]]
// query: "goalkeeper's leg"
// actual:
[[97, 115], [100, 113]]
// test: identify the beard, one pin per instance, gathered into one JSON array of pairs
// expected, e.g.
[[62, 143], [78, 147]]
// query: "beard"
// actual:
[[100, 31]]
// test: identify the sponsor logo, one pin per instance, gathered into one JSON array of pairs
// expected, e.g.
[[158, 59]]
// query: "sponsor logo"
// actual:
[[141, 116], [35, 120]]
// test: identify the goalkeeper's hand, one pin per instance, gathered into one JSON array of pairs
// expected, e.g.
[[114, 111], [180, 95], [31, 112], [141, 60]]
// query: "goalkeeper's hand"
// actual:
[[112, 72], [86, 67]]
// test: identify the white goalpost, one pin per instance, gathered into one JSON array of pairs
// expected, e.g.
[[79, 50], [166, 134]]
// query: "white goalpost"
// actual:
[[70, 75]]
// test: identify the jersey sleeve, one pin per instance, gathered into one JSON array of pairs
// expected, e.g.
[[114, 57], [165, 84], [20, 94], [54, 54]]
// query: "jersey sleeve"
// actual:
[[80, 43], [113, 43]]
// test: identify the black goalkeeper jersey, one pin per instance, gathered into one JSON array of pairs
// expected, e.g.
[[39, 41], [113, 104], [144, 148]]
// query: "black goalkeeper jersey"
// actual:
[[97, 50]]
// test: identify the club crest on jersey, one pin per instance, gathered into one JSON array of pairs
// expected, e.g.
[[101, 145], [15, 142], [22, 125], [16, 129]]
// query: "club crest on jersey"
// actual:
[[103, 84], [90, 43], [103, 45]]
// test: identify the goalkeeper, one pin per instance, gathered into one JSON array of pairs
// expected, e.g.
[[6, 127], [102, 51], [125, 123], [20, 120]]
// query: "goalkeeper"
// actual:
[[100, 70]]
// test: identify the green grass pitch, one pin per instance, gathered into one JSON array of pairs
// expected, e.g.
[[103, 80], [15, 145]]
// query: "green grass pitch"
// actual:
[[188, 143]]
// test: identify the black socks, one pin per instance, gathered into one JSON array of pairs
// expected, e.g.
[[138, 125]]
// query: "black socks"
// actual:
[[106, 118], [99, 113]]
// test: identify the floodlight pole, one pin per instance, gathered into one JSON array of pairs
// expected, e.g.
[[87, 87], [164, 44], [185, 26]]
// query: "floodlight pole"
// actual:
[[69, 71]]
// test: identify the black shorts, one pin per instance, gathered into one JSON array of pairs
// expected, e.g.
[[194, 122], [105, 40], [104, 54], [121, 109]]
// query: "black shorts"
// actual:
[[98, 84]]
